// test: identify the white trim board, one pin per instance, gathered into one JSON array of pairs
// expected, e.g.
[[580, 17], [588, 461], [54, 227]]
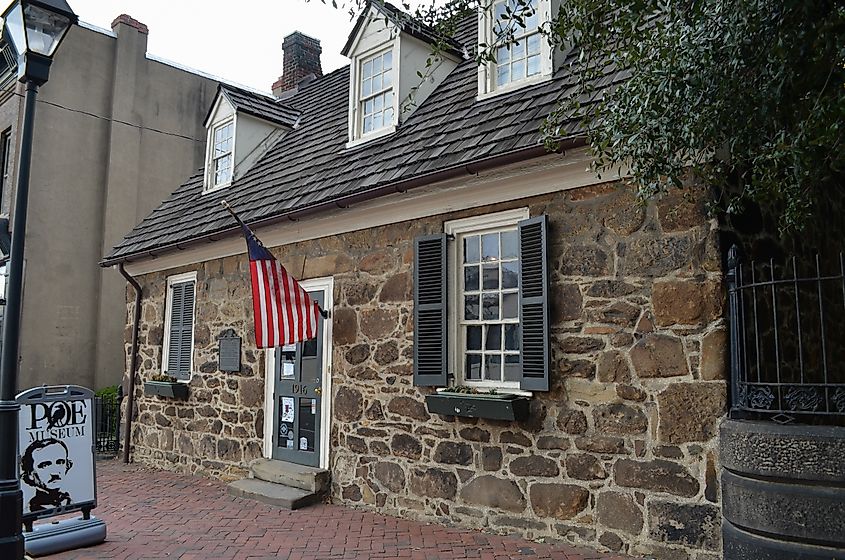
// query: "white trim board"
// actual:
[[327, 285], [539, 176]]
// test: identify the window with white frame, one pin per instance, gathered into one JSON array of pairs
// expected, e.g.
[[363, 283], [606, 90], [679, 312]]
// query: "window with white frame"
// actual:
[[222, 160], [179, 326], [375, 101], [481, 303], [488, 320], [519, 51], [511, 29], [485, 287]]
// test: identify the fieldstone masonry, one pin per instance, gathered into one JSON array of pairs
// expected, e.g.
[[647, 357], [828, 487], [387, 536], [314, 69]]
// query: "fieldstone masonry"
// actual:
[[619, 454]]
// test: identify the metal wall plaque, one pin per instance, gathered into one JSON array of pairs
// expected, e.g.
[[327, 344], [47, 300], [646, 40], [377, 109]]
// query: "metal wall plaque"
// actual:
[[229, 351]]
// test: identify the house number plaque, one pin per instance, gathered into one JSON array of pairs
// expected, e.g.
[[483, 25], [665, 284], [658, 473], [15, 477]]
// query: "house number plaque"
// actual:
[[229, 351]]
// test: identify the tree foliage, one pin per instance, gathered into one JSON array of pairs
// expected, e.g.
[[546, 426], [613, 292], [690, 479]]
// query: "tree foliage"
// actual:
[[748, 95]]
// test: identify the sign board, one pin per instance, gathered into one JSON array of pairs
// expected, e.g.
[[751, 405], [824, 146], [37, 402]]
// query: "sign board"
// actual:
[[56, 449], [229, 351]]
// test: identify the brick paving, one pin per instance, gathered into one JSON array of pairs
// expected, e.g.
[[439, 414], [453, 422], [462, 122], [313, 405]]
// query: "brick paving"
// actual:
[[156, 514]]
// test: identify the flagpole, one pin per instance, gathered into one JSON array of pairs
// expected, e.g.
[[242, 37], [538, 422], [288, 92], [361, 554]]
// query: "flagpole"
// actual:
[[323, 313]]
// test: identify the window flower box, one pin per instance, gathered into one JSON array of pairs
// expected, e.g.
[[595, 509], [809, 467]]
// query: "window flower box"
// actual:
[[168, 389], [494, 406]]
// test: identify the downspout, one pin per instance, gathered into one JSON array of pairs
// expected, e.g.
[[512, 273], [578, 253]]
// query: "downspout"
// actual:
[[133, 362]]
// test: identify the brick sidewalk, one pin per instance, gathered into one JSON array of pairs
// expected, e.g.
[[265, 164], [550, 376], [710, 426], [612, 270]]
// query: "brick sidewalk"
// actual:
[[155, 514]]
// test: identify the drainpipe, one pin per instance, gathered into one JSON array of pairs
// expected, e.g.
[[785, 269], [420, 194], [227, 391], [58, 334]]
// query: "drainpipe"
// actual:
[[133, 361]]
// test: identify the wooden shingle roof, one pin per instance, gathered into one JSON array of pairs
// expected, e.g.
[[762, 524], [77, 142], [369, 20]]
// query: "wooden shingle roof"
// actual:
[[310, 167]]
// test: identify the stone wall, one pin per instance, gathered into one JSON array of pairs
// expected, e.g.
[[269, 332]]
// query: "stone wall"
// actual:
[[620, 454]]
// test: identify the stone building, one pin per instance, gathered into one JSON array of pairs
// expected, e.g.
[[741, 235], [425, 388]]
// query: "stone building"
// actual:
[[451, 249], [115, 129]]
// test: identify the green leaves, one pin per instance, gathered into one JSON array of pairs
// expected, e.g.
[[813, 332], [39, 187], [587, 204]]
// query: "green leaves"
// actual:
[[749, 95]]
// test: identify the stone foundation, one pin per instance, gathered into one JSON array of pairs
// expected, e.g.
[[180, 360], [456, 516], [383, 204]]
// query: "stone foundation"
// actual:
[[620, 454]]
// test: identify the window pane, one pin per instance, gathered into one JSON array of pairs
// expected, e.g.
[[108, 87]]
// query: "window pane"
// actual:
[[388, 116], [377, 82], [377, 65], [510, 275], [493, 367], [518, 70], [530, 21], [512, 369], [471, 308], [471, 249], [368, 107], [534, 44], [473, 367], [474, 337], [494, 338], [490, 247], [368, 69], [378, 103], [510, 247], [387, 79], [368, 124], [491, 306], [366, 88], [491, 276], [503, 75], [388, 99], [388, 60], [377, 121], [533, 66], [510, 305], [470, 278], [519, 49], [503, 54], [511, 337]]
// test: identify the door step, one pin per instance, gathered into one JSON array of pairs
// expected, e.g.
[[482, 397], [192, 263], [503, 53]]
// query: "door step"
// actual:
[[273, 494], [290, 474], [282, 484]]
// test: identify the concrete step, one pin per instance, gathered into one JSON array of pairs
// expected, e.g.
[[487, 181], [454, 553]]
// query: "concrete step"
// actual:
[[273, 494], [289, 474]]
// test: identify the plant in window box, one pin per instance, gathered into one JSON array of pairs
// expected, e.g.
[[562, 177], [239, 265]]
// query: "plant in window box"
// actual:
[[164, 385], [471, 402]]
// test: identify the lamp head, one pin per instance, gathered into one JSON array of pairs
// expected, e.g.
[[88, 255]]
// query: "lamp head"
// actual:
[[35, 28]]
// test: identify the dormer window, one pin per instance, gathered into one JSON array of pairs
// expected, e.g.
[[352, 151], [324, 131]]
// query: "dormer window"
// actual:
[[222, 156], [376, 104], [393, 70], [512, 29], [241, 127]]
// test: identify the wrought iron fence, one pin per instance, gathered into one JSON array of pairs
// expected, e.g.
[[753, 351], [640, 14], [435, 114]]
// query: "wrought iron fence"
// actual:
[[107, 421], [787, 339]]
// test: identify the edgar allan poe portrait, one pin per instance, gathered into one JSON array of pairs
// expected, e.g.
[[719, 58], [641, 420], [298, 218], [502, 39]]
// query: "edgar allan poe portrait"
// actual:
[[44, 465]]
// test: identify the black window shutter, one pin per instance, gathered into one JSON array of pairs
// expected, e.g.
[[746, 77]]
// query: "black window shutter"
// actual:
[[534, 304], [430, 318], [181, 330]]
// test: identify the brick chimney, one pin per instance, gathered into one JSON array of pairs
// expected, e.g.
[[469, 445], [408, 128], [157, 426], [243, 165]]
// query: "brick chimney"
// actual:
[[301, 61]]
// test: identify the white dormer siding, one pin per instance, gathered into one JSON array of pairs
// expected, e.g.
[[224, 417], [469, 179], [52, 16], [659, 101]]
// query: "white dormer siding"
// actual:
[[527, 60], [384, 85]]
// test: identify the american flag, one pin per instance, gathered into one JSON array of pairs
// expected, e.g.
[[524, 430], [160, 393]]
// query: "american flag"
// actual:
[[284, 314]]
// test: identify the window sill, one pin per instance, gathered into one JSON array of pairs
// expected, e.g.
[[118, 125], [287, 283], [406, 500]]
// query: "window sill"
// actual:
[[380, 133], [167, 389], [513, 86], [498, 406]]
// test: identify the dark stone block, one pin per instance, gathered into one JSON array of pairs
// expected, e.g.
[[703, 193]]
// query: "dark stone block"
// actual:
[[475, 434], [561, 501], [404, 445], [434, 483], [491, 458], [692, 525], [585, 467], [390, 475], [619, 419], [657, 475], [534, 465], [451, 453]]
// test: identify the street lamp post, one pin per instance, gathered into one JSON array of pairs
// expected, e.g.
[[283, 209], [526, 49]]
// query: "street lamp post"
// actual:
[[34, 28]]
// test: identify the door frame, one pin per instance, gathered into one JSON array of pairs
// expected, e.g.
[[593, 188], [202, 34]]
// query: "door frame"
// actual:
[[327, 285]]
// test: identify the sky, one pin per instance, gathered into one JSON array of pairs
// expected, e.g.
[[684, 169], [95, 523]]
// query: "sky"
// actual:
[[239, 41]]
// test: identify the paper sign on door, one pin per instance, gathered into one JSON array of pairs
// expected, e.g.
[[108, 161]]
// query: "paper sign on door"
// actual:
[[287, 409]]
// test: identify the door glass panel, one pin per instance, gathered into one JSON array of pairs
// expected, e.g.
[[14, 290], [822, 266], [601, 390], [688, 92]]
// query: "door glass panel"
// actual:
[[287, 357], [287, 412], [307, 423]]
